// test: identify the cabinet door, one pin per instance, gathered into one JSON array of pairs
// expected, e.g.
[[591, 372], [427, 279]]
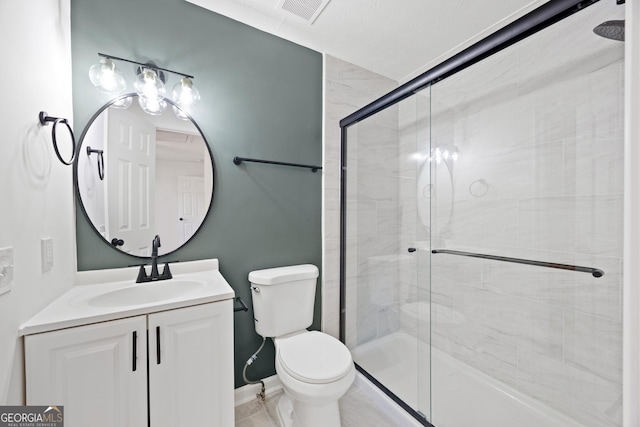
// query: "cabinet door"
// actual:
[[90, 370], [191, 366]]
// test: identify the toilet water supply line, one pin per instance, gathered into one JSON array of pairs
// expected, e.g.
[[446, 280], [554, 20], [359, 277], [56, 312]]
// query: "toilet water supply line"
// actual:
[[252, 359]]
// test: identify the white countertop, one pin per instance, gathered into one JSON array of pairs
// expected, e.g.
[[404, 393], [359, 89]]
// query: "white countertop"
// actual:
[[74, 308]]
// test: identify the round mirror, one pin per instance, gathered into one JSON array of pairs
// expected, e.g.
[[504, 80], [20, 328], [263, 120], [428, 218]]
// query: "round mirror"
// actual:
[[138, 176]]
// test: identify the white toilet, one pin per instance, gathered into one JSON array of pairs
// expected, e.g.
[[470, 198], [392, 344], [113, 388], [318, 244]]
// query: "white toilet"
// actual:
[[314, 368]]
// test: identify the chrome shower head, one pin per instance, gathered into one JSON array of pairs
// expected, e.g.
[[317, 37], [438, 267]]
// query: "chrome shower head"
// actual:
[[613, 30]]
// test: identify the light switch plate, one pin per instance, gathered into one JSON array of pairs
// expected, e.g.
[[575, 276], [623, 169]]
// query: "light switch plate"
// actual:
[[46, 247], [6, 269]]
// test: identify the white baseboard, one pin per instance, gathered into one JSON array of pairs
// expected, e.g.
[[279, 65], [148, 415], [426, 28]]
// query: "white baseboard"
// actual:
[[248, 392]]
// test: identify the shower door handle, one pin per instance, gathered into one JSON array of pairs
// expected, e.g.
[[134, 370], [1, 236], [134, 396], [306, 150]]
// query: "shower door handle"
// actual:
[[411, 249]]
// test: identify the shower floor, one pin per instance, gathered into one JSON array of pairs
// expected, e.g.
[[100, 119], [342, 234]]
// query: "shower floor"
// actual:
[[462, 395]]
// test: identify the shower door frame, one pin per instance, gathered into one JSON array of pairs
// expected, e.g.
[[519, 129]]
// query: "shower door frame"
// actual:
[[529, 24]]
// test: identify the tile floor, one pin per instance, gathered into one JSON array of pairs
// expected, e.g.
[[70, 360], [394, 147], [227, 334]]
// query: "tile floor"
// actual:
[[356, 410]]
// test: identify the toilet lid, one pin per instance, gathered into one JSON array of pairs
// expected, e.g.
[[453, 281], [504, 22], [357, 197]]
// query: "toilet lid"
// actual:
[[314, 357]]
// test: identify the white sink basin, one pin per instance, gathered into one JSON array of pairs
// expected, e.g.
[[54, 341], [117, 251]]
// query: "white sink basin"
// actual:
[[146, 293], [103, 295]]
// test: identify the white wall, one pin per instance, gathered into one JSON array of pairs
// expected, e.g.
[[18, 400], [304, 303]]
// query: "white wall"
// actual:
[[36, 197]]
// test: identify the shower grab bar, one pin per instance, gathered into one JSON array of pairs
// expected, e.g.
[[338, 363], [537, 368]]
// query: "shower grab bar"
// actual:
[[238, 160], [595, 272]]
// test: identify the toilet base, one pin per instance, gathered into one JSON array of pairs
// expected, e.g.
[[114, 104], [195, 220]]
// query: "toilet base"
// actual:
[[285, 411], [300, 414]]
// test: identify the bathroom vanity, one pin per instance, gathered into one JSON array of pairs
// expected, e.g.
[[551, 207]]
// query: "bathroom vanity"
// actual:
[[117, 353]]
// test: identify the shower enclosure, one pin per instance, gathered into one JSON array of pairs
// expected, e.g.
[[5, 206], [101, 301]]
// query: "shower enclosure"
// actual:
[[482, 230]]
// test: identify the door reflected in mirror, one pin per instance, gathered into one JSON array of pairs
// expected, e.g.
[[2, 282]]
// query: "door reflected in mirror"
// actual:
[[158, 178]]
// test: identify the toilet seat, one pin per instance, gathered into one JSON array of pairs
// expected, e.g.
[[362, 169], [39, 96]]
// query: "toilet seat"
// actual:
[[314, 357]]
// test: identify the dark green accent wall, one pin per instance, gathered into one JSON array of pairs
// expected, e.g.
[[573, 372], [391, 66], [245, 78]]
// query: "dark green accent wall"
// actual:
[[261, 98]]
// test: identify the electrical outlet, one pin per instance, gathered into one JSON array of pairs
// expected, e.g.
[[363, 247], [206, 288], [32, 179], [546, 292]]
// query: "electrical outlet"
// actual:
[[6, 269], [46, 249]]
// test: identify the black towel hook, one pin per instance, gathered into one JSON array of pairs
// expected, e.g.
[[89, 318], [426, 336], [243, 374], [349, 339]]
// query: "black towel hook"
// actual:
[[99, 160], [44, 121]]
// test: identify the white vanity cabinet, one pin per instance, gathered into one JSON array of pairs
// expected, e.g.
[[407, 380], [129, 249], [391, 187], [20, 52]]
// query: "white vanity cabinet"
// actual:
[[99, 371], [191, 366], [89, 369]]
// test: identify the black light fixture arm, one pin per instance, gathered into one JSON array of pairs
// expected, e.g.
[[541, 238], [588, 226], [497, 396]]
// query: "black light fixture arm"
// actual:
[[44, 120], [155, 67]]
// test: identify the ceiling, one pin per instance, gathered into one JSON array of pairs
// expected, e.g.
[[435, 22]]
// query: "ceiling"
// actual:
[[396, 38], [179, 146]]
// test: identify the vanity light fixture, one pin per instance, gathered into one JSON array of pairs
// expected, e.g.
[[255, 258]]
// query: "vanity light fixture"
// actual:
[[149, 85], [151, 90], [107, 78], [122, 103], [152, 105], [184, 93], [446, 153]]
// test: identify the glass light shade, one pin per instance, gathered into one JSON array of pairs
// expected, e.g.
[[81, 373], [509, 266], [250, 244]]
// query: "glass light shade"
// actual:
[[153, 106], [438, 155], [148, 85], [107, 78], [185, 94], [123, 103], [180, 113]]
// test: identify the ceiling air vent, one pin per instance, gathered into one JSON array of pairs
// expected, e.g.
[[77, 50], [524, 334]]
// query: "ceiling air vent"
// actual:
[[308, 10]]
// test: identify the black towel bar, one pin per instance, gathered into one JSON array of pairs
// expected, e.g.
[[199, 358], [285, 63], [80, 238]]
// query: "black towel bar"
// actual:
[[243, 306], [238, 160]]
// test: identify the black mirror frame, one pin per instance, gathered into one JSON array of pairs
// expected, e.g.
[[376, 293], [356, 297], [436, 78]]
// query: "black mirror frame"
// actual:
[[77, 188]]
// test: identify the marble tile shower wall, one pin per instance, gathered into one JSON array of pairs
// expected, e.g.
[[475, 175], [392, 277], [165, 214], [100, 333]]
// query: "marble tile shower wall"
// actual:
[[347, 89], [540, 176], [375, 200]]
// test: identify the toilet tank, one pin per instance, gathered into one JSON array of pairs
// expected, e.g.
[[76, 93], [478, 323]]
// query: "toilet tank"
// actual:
[[283, 299]]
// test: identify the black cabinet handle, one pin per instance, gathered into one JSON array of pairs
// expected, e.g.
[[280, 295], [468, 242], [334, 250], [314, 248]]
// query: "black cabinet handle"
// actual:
[[411, 249], [158, 345], [181, 219], [135, 350]]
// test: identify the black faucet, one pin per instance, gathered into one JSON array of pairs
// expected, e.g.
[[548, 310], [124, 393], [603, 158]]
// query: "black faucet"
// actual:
[[166, 272]]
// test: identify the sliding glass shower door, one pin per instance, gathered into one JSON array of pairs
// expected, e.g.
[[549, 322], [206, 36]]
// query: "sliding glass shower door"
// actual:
[[534, 332], [387, 274], [483, 236]]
